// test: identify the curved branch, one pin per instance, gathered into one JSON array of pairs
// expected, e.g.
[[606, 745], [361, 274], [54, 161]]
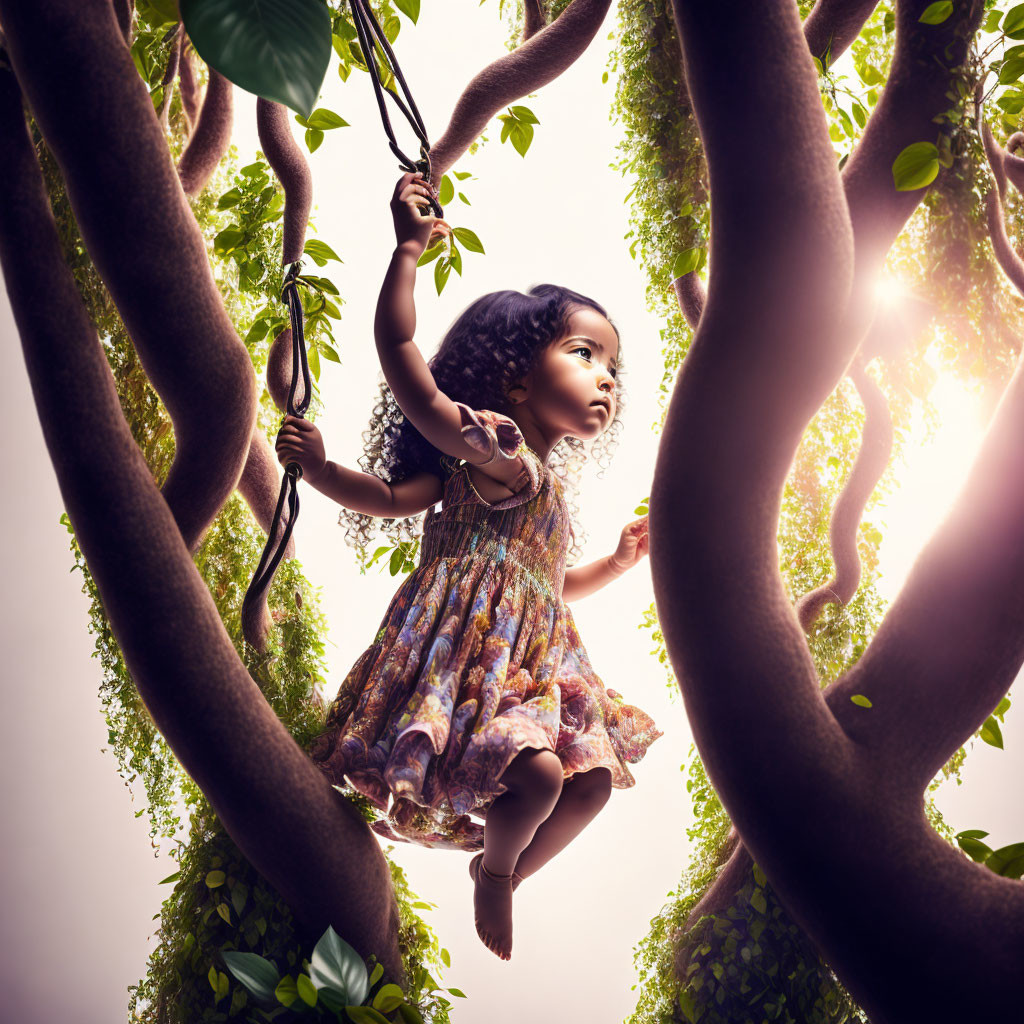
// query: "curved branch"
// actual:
[[292, 170], [210, 140], [124, 11], [534, 18], [187, 82], [260, 485], [868, 467], [96, 116], [309, 842], [170, 73], [279, 371], [833, 25], [529, 67], [691, 296]]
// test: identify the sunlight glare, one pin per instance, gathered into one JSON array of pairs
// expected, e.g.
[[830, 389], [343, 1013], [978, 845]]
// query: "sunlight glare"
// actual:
[[933, 472]]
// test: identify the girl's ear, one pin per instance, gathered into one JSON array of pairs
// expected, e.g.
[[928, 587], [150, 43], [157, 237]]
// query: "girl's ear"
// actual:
[[516, 394]]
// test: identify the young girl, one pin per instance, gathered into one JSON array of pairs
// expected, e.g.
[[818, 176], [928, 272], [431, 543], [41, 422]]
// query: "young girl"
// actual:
[[477, 696]]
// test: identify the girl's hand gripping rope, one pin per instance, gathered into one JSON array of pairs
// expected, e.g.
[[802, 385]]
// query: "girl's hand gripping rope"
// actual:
[[633, 545], [412, 228], [299, 441]]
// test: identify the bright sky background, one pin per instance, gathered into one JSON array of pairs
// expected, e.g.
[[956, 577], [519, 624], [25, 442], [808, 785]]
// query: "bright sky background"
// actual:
[[79, 889]]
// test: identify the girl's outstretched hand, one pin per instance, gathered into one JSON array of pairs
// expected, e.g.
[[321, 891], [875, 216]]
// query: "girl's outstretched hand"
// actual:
[[412, 193], [299, 441], [633, 545]]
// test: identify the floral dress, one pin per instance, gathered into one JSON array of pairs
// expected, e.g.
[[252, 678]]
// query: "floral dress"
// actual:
[[476, 660]]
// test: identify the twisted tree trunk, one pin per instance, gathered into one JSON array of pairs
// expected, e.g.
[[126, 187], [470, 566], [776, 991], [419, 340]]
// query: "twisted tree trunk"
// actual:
[[827, 794], [309, 842]]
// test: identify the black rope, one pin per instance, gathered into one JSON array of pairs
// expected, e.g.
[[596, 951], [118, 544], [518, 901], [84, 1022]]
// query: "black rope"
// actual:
[[274, 549], [370, 35]]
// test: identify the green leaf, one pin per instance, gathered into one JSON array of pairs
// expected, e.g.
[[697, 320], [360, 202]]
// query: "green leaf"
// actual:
[[325, 120], [389, 998], [222, 910], [759, 875], [469, 239], [458, 992], [170, 878], [230, 198], [277, 49], [431, 254], [376, 974], [255, 972], [686, 262], [861, 701], [365, 1015], [758, 902], [410, 1014], [313, 358], [215, 879], [330, 352], [937, 13], [410, 8], [456, 258], [239, 894], [991, 733], [992, 21], [446, 191], [1013, 24], [441, 272], [307, 993], [287, 991], [446, 958], [1011, 70], [521, 136], [313, 139], [1001, 708], [1007, 861], [524, 114], [337, 965], [916, 167], [973, 846], [641, 510]]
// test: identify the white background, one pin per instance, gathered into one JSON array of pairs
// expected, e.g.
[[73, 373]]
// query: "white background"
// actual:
[[78, 889]]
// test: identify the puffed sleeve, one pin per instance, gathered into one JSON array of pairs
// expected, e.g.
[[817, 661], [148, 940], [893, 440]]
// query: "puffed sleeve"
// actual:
[[499, 439]]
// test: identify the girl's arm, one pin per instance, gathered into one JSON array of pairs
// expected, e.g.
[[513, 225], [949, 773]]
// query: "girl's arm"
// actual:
[[585, 579], [300, 441], [432, 412]]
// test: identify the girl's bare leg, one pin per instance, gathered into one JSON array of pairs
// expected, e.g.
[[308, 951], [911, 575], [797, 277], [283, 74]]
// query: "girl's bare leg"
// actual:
[[582, 798], [534, 781]]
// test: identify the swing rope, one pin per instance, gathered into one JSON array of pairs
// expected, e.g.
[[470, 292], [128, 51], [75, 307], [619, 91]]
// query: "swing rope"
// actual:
[[277, 539], [370, 34], [371, 37]]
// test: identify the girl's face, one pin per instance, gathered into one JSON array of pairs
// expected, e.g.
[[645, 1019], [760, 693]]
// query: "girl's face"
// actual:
[[571, 390]]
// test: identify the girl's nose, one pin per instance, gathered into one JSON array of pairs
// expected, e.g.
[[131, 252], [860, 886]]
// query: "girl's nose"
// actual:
[[607, 384]]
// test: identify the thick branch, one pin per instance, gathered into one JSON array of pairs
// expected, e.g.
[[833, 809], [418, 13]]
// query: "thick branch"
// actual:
[[814, 798], [529, 67], [260, 485], [691, 296], [292, 170], [534, 18], [187, 82], [96, 116], [210, 140], [872, 458], [279, 371], [170, 73], [310, 843], [833, 25]]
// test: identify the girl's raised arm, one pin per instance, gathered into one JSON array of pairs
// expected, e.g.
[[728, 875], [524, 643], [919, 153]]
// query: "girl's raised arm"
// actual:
[[431, 411]]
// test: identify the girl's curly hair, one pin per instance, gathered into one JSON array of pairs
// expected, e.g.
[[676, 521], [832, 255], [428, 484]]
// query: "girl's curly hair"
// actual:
[[493, 343]]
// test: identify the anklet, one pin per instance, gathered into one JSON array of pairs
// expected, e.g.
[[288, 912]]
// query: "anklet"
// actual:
[[493, 877]]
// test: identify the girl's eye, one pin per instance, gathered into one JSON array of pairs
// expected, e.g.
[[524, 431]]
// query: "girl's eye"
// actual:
[[582, 348]]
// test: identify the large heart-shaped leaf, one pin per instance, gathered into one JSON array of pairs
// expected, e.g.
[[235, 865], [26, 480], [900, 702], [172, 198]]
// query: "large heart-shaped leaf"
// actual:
[[336, 965], [277, 49], [257, 974]]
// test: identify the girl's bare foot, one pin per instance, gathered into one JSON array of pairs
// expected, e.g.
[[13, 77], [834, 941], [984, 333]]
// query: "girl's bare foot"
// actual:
[[492, 905]]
